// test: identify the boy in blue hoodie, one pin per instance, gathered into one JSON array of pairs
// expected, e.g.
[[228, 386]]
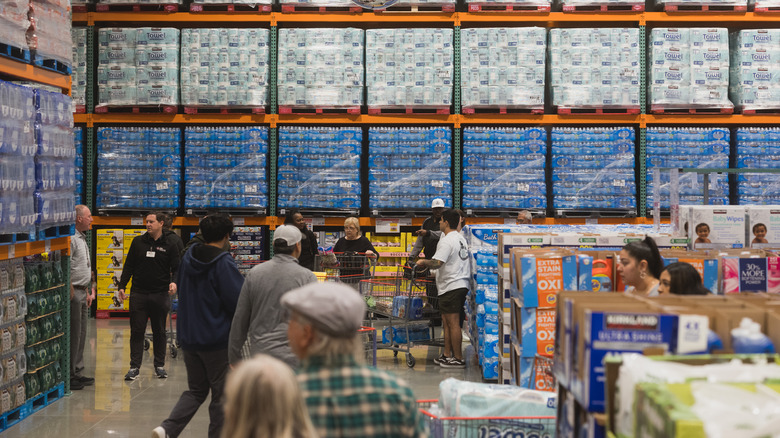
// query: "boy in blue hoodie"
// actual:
[[209, 284]]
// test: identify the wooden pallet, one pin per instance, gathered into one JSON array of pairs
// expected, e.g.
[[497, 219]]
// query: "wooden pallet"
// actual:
[[373, 110], [79, 109], [228, 7], [767, 9], [773, 111], [291, 9], [290, 109], [604, 110], [704, 8], [13, 52], [507, 7], [501, 110], [135, 109], [223, 110], [136, 8], [634, 7], [660, 109]]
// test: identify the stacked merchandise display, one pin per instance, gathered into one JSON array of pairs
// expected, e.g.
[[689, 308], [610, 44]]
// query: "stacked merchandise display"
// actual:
[[138, 66], [78, 144], [476, 5], [595, 68], [409, 167], [251, 3], [17, 167], [497, 71], [49, 22], [55, 175], [758, 148], [689, 69], [14, 22], [504, 168], [79, 76], [138, 2], [112, 247], [692, 148], [224, 67], [47, 294], [319, 167], [672, 5], [13, 360], [138, 167], [593, 168], [616, 5], [307, 3], [320, 68], [248, 247], [409, 68], [754, 69], [225, 167]]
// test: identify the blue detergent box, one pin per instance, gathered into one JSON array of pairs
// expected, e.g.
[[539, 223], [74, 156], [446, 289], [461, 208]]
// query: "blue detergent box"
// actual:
[[541, 274], [707, 267], [407, 307]]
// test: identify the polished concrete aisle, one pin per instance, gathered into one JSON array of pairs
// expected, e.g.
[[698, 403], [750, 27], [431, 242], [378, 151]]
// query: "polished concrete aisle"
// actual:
[[115, 408]]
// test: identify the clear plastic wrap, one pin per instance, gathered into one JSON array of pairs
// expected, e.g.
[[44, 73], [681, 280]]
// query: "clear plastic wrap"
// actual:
[[409, 167], [14, 22], [689, 68], [225, 167], [320, 67], [138, 2], [138, 167], [50, 25], [319, 167], [224, 67], [251, 3], [79, 75], [540, 3], [755, 62], [78, 162], [758, 148], [636, 4], [736, 3], [409, 67], [503, 67], [595, 68]]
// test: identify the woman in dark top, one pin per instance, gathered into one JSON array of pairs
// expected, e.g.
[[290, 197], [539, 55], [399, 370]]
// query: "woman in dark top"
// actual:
[[352, 252], [309, 247]]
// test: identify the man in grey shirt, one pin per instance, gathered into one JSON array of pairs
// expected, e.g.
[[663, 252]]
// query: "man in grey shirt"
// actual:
[[82, 293], [260, 317]]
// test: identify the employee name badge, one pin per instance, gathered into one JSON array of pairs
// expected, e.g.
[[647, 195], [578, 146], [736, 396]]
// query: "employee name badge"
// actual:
[[150, 254]]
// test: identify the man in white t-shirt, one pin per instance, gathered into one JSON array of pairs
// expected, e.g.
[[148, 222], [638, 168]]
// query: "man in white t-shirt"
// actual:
[[452, 279]]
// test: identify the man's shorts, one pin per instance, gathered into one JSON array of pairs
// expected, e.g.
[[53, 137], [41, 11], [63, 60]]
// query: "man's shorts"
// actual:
[[452, 301]]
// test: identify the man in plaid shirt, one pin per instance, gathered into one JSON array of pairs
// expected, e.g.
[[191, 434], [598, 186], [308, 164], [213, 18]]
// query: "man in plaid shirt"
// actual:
[[345, 397]]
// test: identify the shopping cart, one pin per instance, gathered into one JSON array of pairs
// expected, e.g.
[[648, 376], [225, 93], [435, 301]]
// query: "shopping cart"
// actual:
[[479, 427], [368, 334], [349, 268], [170, 334], [403, 306]]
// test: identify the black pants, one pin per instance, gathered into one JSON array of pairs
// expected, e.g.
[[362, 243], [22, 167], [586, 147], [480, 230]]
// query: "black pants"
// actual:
[[206, 370], [148, 307]]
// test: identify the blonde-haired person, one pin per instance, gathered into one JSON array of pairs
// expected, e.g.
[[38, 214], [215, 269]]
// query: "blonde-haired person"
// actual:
[[263, 400], [353, 242]]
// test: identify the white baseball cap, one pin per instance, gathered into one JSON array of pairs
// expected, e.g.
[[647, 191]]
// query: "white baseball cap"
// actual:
[[289, 233], [437, 203]]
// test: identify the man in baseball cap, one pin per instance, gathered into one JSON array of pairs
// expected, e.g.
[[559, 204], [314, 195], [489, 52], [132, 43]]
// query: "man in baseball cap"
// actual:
[[344, 396], [259, 315], [427, 241]]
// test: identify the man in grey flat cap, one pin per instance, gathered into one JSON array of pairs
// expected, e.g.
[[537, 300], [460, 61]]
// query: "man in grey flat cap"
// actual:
[[345, 397], [259, 315]]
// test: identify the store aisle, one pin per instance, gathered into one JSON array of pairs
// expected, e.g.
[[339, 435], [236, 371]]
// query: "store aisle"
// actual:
[[117, 408]]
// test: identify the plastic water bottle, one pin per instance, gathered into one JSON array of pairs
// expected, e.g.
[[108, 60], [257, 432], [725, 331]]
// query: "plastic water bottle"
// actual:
[[748, 339]]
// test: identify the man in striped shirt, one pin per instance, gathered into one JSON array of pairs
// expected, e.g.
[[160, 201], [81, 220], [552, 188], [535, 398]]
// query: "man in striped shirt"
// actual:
[[345, 397]]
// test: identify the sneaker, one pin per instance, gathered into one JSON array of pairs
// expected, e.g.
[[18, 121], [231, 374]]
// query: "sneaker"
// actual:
[[75, 384], [453, 362], [159, 432], [132, 374], [160, 371], [441, 359], [87, 381]]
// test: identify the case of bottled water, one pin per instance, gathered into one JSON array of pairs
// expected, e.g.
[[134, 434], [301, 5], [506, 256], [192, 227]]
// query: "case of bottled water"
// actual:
[[758, 148], [409, 167], [79, 76], [504, 167], [319, 167], [138, 66], [138, 167], [689, 68], [320, 67], [225, 167], [224, 67], [755, 62], [595, 68], [593, 168], [17, 158], [503, 67], [409, 67]]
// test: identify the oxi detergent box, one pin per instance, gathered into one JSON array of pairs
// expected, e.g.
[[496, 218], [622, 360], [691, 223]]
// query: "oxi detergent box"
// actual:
[[717, 227], [751, 274], [539, 274], [538, 335], [764, 226]]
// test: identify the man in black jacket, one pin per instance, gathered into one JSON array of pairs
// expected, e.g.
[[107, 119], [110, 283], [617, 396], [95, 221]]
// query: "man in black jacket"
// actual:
[[309, 247], [152, 262]]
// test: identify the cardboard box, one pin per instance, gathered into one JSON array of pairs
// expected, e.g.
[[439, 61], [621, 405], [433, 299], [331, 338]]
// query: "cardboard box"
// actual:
[[751, 275], [726, 226], [590, 240], [539, 274], [508, 241], [706, 265]]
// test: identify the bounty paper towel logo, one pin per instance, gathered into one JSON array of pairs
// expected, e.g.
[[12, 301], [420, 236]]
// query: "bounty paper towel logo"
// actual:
[[752, 275]]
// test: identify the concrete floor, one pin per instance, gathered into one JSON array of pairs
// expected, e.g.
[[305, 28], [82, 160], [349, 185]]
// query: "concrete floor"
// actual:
[[115, 408]]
